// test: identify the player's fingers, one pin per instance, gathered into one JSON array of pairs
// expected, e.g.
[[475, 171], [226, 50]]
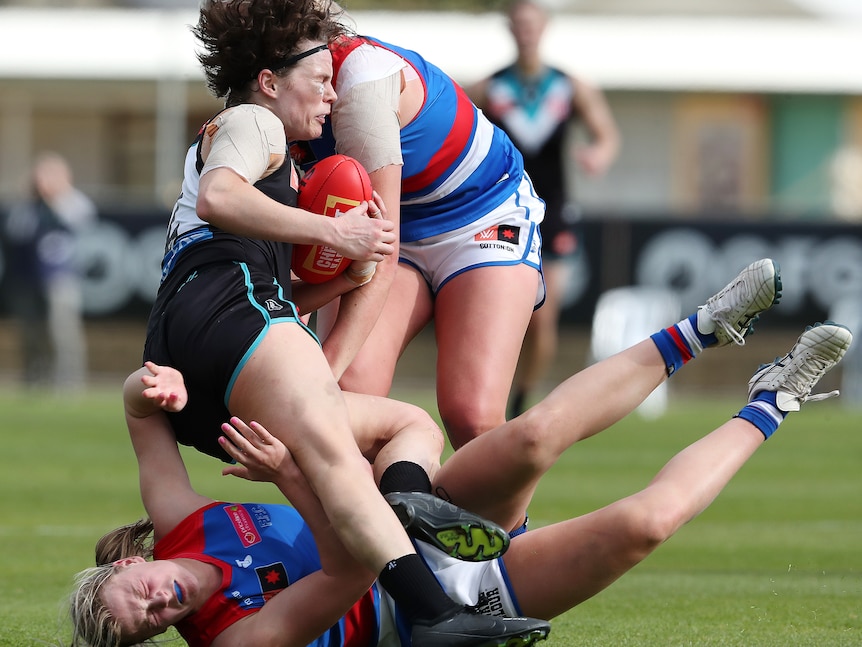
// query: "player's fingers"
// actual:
[[236, 470], [228, 443], [153, 393], [262, 433], [252, 431], [235, 433], [373, 210], [231, 448], [243, 428], [378, 202]]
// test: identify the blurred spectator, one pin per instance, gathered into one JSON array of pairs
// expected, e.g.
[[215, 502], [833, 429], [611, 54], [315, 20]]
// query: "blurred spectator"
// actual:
[[535, 104], [44, 293]]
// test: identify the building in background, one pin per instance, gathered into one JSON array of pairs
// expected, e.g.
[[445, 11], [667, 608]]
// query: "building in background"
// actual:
[[728, 105], [737, 115]]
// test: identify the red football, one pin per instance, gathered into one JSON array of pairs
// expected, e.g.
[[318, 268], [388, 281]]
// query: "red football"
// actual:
[[330, 187]]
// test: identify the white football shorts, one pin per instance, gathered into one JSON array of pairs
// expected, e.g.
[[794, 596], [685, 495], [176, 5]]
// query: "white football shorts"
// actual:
[[508, 235], [465, 582]]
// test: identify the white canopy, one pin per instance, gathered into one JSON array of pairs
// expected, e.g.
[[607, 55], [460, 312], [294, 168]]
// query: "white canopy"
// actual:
[[623, 53]]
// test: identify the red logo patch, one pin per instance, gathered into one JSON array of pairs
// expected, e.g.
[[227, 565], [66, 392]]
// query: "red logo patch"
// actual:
[[506, 233], [243, 525], [272, 578]]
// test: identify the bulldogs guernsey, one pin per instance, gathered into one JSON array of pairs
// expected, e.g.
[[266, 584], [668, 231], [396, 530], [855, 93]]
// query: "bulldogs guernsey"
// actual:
[[458, 166], [260, 550]]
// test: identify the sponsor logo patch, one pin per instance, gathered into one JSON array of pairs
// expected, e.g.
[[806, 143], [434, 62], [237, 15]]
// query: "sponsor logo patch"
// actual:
[[505, 233], [242, 525], [272, 578]]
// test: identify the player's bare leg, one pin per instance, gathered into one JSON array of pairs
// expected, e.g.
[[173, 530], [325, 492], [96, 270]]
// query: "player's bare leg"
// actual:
[[480, 319], [407, 310], [306, 411], [542, 338], [496, 477], [557, 567]]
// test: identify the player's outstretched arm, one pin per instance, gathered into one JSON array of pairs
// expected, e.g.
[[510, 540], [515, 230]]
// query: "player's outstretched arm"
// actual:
[[166, 491]]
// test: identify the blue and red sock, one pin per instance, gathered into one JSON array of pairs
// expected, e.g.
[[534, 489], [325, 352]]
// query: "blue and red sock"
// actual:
[[681, 343]]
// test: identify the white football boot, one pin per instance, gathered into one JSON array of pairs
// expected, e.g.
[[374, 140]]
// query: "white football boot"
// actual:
[[731, 313], [793, 376]]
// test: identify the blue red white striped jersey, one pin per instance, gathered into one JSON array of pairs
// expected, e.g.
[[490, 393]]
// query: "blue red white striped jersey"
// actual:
[[458, 166]]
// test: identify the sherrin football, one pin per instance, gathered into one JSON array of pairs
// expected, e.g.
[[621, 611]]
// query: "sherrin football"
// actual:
[[332, 186]]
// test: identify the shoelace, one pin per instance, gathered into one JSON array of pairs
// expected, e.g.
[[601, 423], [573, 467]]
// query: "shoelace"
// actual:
[[719, 318], [720, 321], [806, 377]]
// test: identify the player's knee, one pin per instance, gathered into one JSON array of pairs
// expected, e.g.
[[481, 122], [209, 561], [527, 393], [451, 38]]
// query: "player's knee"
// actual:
[[651, 527], [531, 440], [366, 377], [467, 420], [418, 421]]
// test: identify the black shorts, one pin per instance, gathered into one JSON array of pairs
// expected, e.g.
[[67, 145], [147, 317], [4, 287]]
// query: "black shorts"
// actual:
[[206, 325]]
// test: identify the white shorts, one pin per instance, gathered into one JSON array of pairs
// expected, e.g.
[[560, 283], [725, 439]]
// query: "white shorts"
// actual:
[[465, 582], [508, 235]]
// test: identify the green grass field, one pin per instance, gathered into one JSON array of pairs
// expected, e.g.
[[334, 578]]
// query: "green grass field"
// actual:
[[776, 561]]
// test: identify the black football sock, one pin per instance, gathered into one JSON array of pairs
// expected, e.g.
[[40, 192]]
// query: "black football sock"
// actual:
[[404, 476], [416, 591]]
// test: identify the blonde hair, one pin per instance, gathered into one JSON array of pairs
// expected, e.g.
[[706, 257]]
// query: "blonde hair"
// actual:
[[92, 622], [134, 539]]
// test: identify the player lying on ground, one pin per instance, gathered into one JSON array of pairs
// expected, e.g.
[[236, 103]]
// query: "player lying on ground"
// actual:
[[215, 593]]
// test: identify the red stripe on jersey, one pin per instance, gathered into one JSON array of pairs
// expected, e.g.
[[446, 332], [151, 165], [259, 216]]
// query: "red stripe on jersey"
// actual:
[[187, 536], [340, 49], [454, 144], [360, 623]]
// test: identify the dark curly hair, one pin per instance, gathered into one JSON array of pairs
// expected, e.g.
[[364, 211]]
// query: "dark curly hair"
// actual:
[[243, 37]]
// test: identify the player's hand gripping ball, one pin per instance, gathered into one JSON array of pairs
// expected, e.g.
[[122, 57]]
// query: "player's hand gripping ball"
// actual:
[[332, 186]]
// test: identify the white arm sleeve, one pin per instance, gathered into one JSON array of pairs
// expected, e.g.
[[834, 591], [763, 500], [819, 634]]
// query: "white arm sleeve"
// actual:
[[366, 125], [243, 139]]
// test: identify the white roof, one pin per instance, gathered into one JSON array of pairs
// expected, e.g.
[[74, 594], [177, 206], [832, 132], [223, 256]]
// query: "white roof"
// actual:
[[626, 53]]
